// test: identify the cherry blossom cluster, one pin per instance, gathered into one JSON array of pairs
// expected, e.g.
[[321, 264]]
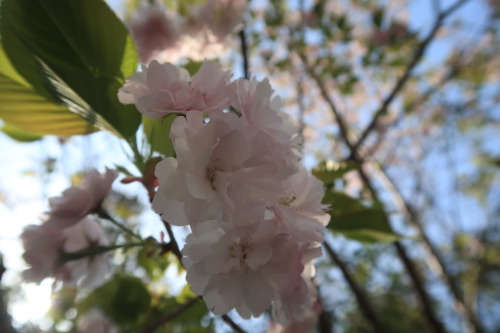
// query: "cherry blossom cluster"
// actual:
[[71, 226], [202, 31], [254, 211]]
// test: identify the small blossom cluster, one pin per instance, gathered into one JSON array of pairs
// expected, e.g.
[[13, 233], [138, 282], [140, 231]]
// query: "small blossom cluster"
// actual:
[[201, 32], [71, 227], [254, 211]]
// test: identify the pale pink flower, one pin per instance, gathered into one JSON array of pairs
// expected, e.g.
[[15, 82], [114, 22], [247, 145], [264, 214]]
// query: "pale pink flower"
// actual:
[[154, 30], [297, 294], [309, 323], [163, 89], [218, 169], [95, 321], [221, 17], [43, 247], [89, 271], [46, 246], [300, 207], [78, 201], [240, 269], [260, 111]]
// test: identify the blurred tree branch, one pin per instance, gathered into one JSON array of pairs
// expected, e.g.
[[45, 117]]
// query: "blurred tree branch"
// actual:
[[359, 293], [400, 83]]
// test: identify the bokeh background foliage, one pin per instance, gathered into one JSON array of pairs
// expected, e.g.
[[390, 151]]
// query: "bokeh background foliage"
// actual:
[[399, 120]]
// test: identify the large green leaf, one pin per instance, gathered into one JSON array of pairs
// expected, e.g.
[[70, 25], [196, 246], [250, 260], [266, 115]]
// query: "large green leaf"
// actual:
[[355, 220], [157, 133], [83, 44], [28, 114], [26, 110], [18, 134]]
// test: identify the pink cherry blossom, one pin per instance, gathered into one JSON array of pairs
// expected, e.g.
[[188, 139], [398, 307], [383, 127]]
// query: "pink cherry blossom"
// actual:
[[300, 207], [218, 169], [154, 30], [240, 269], [220, 17], [79, 201], [45, 247], [163, 89]]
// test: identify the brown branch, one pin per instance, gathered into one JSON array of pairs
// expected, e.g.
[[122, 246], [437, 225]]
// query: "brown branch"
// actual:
[[169, 316], [412, 271], [434, 260], [421, 292], [424, 97], [174, 246], [233, 325], [400, 83], [418, 283], [359, 293], [344, 133], [244, 53]]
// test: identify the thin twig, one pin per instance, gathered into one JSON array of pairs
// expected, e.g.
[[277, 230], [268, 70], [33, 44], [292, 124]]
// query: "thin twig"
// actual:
[[244, 52], [418, 284], [344, 133], [231, 323], [417, 56], [410, 266], [169, 316], [173, 242], [359, 293], [105, 215], [434, 260]]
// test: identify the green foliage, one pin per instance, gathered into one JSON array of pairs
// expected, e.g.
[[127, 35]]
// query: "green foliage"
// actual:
[[28, 114], [18, 134], [157, 133], [76, 52], [354, 220], [329, 171], [193, 66], [125, 299]]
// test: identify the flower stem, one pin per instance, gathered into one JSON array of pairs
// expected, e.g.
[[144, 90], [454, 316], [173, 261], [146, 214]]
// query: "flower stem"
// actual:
[[95, 250], [105, 215]]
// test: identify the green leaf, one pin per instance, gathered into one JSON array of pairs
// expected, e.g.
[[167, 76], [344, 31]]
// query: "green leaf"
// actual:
[[124, 299], [29, 115], [369, 236], [82, 43], [354, 220], [27, 111], [157, 133], [193, 66], [18, 134], [328, 171]]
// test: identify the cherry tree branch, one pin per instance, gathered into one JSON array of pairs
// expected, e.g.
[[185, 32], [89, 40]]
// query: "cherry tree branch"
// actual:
[[244, 52], [400, 83], [342, 124], [410, 267], [359, 293], [434, 259]]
